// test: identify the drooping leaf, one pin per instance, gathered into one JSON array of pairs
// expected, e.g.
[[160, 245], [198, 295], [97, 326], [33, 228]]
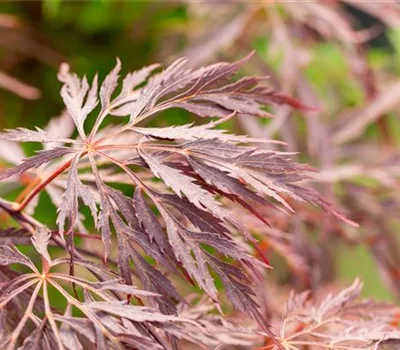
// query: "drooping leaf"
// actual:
[[194, 264], [153, 280], [198, 217], [11, 255], [182, 184], [149, 221], [42, 157], [73, 190]]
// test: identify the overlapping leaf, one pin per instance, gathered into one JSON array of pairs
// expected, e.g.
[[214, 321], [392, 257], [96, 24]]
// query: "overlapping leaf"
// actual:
[[197, 165]]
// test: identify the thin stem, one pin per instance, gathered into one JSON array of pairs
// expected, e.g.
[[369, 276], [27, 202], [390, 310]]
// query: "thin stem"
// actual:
[[28, 222], [309, 329], [19, 290], [85, 310], [17, 331], [132, 175], [82, 284], [172, 148], [130, 124], [115, 104], [61, 244], [116, 146], [99, 120], [18, 280], [111, 134], [36, 320], [50, 316], [32, 225], [31, 185], [42, 185]]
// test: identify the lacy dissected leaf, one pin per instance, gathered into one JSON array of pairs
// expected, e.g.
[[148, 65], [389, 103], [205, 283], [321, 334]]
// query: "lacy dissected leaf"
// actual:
[[106, 90], [149, 221], [140, 238], [194, 264], [125, 102], [224, 245], [134, 313], [134, 232], [123, 259], [216, 148], [337, 303], [75, 325], [223, 182], [11, 255], [218, 330], [74, 189], [271, 173], [338, 321], [313, 197], [194, 90], [42, 157], [192, 132], [199, 168], [188, 249], [200, 218], [211, 232], [125, 205], [295, 303], [108, 86], [237, 286], [103, 222], [38, 135], [153, 280], [134, 79], [182, 184], [245, 97], [68, 334], [79, 100], [40, 241], [117, 286]]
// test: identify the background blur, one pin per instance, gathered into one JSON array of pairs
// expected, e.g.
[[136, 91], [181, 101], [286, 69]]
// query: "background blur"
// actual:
[[341, 56]]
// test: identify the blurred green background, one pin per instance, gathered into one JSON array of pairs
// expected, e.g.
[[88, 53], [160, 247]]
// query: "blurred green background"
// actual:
[[87, 34]]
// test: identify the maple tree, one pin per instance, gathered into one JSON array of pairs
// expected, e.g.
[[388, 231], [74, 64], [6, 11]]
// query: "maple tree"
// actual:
[[180, 226]]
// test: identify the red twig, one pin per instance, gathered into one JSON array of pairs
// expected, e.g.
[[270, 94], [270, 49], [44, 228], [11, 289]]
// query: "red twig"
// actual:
[[42, 185]]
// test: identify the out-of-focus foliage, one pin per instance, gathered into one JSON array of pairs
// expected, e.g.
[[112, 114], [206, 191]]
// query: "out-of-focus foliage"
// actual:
[[341, 56], [36, 36]]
